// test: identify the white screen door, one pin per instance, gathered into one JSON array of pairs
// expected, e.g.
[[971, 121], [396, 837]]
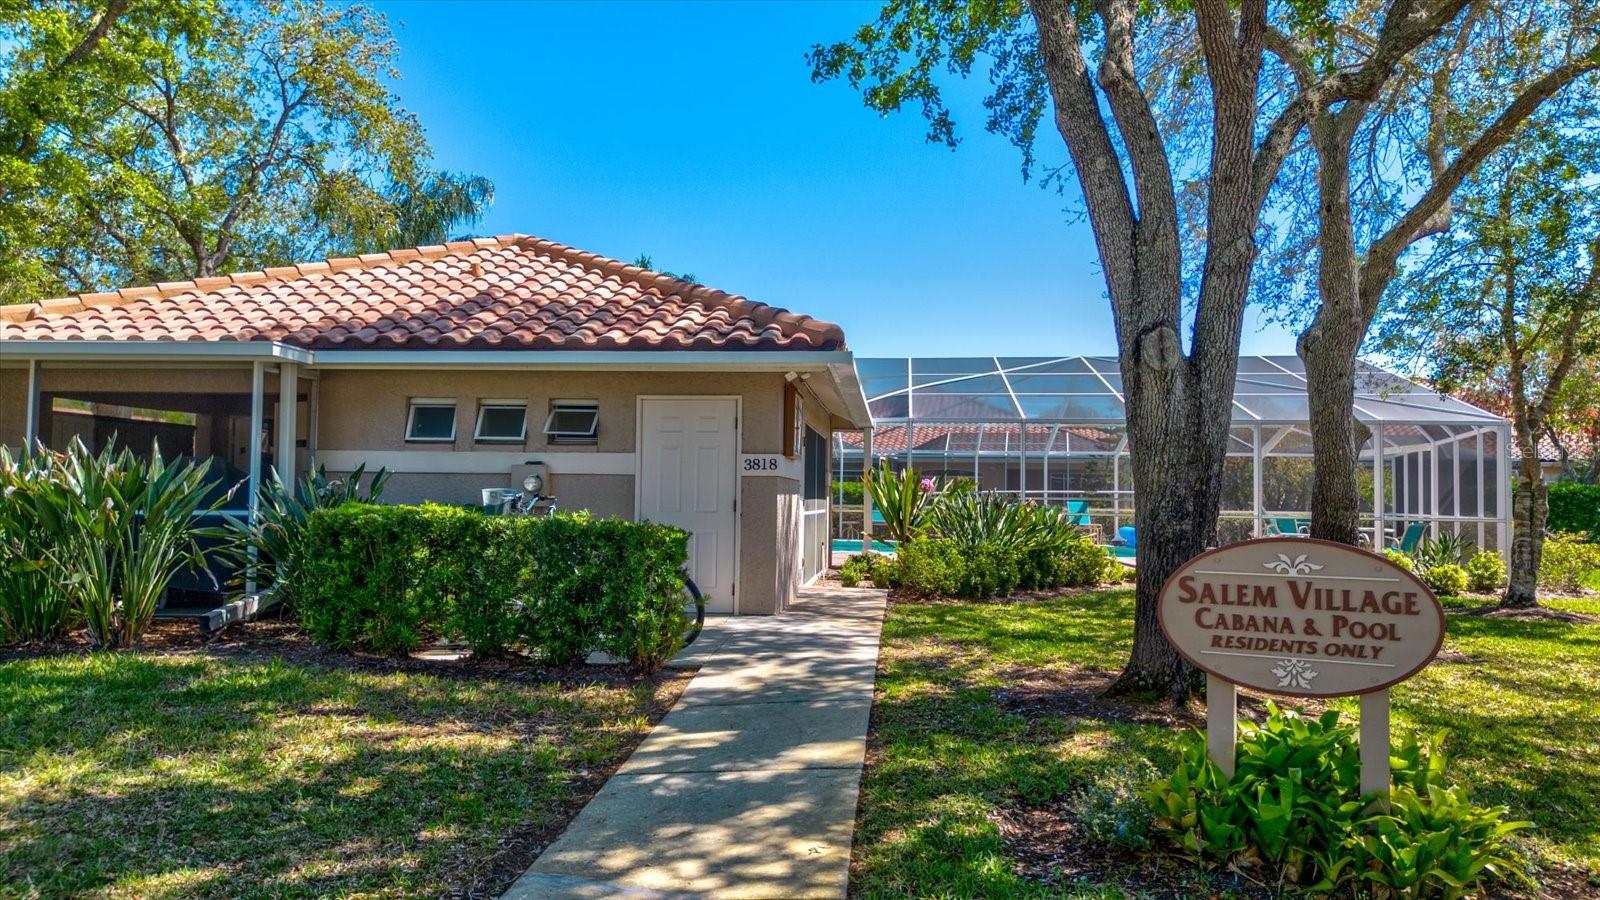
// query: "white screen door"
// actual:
[[688, 452]]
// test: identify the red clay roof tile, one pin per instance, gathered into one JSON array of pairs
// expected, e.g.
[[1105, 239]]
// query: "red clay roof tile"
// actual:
[[509, 293]]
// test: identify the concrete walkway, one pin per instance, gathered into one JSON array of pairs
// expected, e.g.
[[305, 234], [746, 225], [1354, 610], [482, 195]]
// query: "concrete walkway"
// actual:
[[748, 787]]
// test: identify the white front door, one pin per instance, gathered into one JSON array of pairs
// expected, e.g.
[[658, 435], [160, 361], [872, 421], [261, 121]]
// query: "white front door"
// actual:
[[688, 454]]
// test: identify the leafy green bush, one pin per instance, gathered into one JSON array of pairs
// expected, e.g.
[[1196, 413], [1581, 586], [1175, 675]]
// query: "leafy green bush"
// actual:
[[389, 577], [1486, 571], [1447, 579], [928, 567], [858, 568], [849, 493], [1400, 559], [1294, 806], [1110, 809], [1115, 571], [1575, 508], [111, 530], [1568, 563]]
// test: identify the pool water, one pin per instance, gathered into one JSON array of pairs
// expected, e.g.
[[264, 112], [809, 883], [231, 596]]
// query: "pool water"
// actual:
[[841, 545]]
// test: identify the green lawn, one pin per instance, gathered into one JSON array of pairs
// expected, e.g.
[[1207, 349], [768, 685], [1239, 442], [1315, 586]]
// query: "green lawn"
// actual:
[[168, 774], [986, 714]]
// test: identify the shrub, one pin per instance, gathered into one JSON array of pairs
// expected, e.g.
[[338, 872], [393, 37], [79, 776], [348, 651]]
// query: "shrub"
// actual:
[[1111, 810], [389, 577], [1115, 571], [107, 531], [1447, 579], [1575, 508], [1568, 563], [859, 568], [849, 493], [1486, 571], [928, 567], [988, 570], [1294, 806], [358, 583], [1400, 559]]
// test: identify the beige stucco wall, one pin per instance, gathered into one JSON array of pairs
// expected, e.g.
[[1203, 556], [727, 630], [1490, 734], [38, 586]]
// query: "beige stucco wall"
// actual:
[[13, 405], [769, 520], [366, 410]]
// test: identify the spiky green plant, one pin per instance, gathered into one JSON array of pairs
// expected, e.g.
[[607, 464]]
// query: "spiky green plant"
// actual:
[[269, 548], [903, 498], [34, 605], [115, 529]]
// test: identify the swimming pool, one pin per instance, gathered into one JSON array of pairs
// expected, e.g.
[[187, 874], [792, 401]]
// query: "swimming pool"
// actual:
[[842, 545]]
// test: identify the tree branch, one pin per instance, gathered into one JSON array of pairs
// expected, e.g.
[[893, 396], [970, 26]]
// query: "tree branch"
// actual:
[[1078, 118], [1382, 257]]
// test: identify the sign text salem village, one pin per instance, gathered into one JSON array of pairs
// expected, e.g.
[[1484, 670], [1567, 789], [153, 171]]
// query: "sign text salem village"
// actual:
[[1306, 618]]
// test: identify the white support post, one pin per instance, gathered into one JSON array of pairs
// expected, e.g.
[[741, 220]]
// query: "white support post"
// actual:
[[1503, 490], [866, 496], [253, 501], [288, 424], [1375, 743], [1377, 487], [313, 411], [1256, 479], [1482, 505], [1222, 707], [30, 427], [1433, 488]]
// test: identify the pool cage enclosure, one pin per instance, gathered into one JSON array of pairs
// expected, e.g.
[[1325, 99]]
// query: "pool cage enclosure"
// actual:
[[1051, 430]]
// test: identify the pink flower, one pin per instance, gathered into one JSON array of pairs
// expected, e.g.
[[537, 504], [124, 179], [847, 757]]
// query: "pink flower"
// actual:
[[927, 485]]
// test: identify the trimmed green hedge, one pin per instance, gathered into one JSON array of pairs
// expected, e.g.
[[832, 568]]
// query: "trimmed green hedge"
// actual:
[[387, 578], [1575, 508]]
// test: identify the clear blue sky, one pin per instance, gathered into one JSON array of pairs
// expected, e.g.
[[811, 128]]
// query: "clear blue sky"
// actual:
[[692, 132]]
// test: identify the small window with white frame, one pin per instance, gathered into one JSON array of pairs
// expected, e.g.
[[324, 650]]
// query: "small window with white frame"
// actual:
[[501, 421], [431, 420], [573, 422]]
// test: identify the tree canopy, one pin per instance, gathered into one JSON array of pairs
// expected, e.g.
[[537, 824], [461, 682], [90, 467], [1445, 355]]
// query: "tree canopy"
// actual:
[[153, 140]]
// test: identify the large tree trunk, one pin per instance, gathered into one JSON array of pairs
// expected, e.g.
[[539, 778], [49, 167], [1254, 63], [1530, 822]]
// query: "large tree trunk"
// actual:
[[1176, 467], [1529, 507], [1329, 356], [1329, 346]]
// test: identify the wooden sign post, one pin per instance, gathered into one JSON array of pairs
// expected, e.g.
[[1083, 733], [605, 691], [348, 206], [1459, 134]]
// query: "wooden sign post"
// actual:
[[1304, 618]]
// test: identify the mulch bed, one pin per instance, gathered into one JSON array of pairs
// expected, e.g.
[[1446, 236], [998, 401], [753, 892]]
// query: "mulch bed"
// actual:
[[1080, 693], [1049, 846], [280, 638]]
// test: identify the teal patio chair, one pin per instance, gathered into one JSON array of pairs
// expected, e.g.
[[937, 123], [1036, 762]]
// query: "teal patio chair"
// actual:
[[1078, 517], [1285, 526], [1410, 538]]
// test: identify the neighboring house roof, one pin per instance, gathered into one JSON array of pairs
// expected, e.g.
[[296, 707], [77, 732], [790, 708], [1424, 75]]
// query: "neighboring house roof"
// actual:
[[504, 293], [1549, 452]]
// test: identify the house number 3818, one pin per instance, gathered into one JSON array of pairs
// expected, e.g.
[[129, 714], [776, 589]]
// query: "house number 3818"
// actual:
[[761, 464]]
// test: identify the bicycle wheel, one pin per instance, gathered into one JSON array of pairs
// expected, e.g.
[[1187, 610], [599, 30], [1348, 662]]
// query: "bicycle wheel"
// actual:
[[694, 606]]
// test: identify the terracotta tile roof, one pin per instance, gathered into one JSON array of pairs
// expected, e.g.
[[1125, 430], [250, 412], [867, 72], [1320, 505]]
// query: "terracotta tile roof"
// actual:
[[509, 293]]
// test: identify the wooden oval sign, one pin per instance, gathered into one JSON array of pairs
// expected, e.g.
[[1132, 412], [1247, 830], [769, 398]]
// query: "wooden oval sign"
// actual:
[[1303, 617]]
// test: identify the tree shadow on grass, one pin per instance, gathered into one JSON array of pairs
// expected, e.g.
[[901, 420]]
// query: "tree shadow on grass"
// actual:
[[184, 777]]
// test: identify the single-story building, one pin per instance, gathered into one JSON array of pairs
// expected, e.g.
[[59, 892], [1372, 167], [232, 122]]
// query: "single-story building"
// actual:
[[462, 367]]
